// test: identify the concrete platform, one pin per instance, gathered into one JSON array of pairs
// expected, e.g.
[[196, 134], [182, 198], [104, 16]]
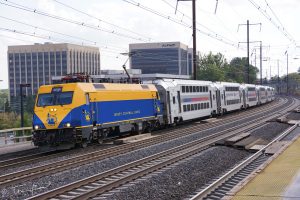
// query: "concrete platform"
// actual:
[[279, 180], [132, 139], [235, 139], [11, 148]]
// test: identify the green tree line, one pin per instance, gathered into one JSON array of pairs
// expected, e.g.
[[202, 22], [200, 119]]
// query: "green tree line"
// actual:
[[10, 114], [214, 67]]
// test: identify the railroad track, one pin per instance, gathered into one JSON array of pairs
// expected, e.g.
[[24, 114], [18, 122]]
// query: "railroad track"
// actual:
[[225, 183], [33, 158], [106, 181], [36, 172], [29, 159]]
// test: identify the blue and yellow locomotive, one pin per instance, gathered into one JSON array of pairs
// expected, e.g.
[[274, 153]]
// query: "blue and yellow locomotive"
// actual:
[[80, 113]]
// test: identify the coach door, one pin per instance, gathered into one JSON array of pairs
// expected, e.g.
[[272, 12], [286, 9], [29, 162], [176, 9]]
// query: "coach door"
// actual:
[[218, 100], [244, 98], [169, 107]]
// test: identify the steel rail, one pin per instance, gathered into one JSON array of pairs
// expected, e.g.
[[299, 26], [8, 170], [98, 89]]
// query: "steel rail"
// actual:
[[23, 160], [97, 188], [36, 172], [233, 171]]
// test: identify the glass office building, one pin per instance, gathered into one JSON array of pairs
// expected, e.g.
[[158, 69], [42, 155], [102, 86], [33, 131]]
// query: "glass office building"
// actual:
[[161, 58], [36, 64]]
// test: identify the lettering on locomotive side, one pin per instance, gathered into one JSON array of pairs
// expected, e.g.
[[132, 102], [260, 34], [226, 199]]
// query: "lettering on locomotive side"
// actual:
[[117, 114]]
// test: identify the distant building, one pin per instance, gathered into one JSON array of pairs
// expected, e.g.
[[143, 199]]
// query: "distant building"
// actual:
[[162, 58], [36, 64]]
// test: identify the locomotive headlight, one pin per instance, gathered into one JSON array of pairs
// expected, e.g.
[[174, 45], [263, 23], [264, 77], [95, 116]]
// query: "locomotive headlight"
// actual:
[[51, 109], [68, 125], [36, 127]]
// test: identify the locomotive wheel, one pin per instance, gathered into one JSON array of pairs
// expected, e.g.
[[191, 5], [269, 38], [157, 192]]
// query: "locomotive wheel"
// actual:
[[100, 141]]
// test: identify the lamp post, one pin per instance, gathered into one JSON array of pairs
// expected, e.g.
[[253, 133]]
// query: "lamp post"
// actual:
[[21, 93]]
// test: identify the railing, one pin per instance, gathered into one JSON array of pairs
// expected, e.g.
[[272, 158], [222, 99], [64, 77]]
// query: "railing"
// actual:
[[15, 135]]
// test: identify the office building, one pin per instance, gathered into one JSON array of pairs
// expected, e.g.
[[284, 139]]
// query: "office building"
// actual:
[[36, 64], [162, 58]]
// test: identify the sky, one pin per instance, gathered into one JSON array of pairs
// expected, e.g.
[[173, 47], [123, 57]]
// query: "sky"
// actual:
[[112, 25]]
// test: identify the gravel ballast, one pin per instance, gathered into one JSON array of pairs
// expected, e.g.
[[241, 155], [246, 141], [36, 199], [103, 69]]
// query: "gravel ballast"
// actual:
[[184, 178], [293, 116], [270, 131], [50, 182]]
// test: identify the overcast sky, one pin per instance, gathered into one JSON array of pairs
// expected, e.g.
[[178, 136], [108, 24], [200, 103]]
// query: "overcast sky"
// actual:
[[125, 21]]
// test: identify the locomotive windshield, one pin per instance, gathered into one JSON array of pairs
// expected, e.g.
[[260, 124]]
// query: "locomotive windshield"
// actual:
[[51, 99]]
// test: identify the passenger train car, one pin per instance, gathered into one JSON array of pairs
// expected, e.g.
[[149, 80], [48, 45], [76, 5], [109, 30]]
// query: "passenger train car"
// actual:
[[72, 114]]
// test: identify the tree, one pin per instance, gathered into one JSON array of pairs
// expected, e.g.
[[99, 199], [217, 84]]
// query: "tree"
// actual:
[[236, 71], [211, 67]]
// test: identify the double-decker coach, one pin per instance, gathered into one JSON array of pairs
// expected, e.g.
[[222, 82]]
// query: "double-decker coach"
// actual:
[[249, 95], [185, 99], [262, 94], [232, 96]]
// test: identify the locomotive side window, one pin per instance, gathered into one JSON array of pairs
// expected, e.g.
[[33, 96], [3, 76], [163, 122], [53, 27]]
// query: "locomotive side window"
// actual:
[[87, 99]]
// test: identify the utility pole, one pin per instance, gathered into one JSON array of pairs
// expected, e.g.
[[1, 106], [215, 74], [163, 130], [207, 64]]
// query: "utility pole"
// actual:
[[260, 63], [287, 72], [278, 76], [247, 75], [194, 41], [194, 37], [248, 65], [21, 93]]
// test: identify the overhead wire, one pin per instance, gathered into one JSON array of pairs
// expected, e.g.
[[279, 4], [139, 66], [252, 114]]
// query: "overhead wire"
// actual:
[[268, 17], [101, 20], [45, 37], [177, 21], [94, 43], [83, 24], [190, 18]]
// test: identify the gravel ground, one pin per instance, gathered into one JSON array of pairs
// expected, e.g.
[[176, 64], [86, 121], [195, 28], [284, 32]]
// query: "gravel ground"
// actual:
[[66, 155], [270, 130], [44, 184], [183, 179], [293, 116]]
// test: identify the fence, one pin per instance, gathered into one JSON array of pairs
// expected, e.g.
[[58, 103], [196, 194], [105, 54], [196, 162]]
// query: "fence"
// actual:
[[15, 135]]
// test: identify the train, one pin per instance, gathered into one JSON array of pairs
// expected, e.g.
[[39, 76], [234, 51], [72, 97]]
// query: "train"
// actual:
[[76, 114]]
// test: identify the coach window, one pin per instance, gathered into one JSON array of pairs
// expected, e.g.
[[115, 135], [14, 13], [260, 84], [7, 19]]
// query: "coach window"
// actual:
[[199, 107], [192, 106], [184, 108], [187, 89], [191, 89], [188, 107], [183, 89], [174, 100], [206, 89], [194, 88]]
